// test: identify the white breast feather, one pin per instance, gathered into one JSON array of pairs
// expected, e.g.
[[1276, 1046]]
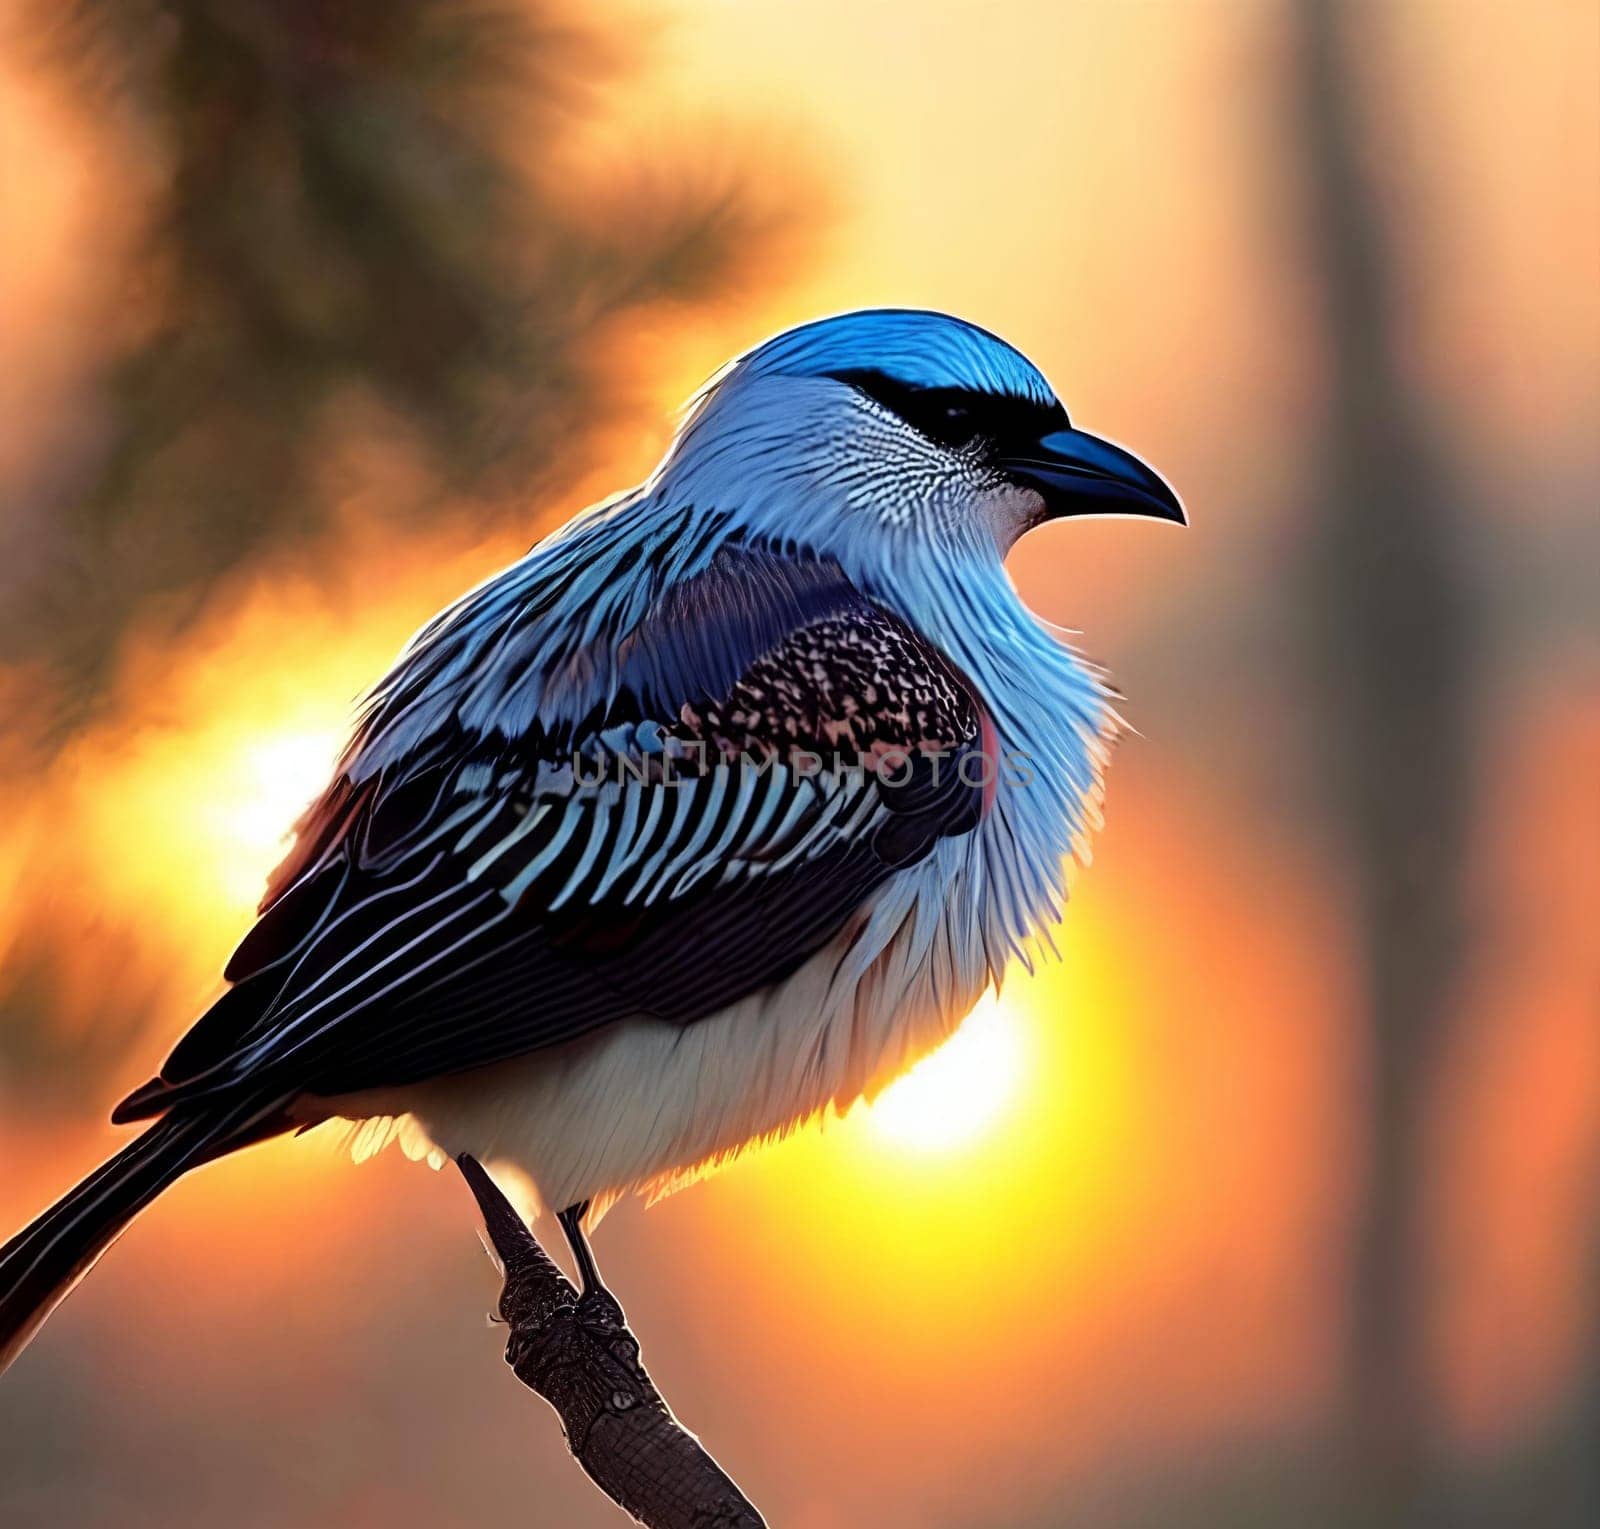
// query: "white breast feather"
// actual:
[[647, 1107]]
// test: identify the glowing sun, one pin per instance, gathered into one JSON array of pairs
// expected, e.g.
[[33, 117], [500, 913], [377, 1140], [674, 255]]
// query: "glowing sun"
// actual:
[[952, 1096]]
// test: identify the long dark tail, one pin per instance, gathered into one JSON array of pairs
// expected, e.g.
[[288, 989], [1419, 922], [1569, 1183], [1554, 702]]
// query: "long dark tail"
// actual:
[[41, 1264]]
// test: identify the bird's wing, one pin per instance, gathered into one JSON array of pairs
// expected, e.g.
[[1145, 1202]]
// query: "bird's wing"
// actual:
[[685, 843]]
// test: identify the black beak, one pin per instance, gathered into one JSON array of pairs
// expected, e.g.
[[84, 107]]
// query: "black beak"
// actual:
[[1079, 474]]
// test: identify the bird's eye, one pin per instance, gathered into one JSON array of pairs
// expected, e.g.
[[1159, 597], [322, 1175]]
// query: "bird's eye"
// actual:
[[954, 417], [959, 425]]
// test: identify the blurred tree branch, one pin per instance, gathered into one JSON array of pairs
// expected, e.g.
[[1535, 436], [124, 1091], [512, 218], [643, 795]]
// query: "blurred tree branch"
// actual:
[[355, 221], [579, 1355]]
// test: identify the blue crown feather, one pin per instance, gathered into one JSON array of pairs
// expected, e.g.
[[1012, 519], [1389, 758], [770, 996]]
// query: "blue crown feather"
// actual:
[[916, 346]]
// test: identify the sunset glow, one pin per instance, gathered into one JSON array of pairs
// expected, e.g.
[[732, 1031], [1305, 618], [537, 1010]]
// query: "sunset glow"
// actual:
[[260, 797], [1121, 1251], [953, 1096]]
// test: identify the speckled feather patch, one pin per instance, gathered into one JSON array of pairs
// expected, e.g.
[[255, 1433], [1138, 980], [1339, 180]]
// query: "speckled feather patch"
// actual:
[[863, 686]]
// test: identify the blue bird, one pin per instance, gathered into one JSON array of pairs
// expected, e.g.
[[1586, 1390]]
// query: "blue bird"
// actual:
[[717, 810]]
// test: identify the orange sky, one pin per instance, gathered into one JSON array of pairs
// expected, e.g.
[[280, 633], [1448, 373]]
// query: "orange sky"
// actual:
[[1163, 1177]]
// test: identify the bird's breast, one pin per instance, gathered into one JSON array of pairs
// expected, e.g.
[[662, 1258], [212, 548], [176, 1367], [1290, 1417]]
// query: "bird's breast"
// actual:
[[646, 1106]]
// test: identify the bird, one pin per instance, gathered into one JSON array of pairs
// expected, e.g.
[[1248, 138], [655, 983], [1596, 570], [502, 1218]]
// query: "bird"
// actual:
[[714, 812]]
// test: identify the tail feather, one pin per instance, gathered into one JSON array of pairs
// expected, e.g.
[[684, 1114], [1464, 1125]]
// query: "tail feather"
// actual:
[[42, 1263]]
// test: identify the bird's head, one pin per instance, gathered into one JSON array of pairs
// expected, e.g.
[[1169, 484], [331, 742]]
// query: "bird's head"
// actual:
[[898, 425]]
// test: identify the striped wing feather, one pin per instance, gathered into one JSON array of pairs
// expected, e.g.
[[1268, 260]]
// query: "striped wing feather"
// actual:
[[483, 896]]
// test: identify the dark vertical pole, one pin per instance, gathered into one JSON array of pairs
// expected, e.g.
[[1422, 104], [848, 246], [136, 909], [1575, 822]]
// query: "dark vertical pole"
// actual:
[[1391, 674]]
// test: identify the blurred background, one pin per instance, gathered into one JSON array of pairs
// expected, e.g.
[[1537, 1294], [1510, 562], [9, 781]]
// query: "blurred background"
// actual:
[[1276, 1202]]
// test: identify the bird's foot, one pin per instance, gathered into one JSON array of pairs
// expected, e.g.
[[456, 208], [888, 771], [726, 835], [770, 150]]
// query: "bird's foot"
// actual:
[[571, 1220]]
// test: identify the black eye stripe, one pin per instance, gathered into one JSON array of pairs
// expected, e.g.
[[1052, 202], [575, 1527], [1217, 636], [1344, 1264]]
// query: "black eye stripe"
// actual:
[[956, 417]]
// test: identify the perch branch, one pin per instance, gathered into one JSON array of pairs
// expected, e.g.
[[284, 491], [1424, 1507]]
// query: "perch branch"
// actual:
[[577, 1352]]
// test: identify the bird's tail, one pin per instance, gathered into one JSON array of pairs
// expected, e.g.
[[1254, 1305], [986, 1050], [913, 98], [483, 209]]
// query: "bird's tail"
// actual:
[[41, 1264]]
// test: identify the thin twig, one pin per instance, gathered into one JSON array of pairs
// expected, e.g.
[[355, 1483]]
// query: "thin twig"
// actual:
[[579, 1355]]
